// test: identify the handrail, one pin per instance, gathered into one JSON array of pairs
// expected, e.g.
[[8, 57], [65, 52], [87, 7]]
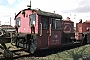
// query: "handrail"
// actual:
[[50, 30], [41, 29]]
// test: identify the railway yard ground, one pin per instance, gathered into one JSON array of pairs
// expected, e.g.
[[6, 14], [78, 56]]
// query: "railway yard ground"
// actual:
[[71, 53]]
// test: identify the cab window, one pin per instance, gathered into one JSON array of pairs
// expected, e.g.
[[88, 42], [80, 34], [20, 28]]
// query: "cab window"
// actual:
[[32, 19], [53, 23], [56, 24], [44, 21], [18, 21]]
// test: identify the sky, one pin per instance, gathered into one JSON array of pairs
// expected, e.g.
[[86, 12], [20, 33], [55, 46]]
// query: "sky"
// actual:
[[75, 9]]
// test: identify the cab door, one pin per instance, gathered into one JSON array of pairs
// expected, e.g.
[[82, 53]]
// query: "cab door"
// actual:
[[44, 24], [54, 32]]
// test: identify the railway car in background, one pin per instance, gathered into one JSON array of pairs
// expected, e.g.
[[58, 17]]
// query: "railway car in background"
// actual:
[[68, 33], [83, 32]]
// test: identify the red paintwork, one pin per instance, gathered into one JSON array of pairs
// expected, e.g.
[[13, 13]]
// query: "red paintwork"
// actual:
[[25, 22]]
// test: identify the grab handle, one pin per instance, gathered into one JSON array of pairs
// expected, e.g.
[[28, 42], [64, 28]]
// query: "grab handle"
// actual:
[[41, 29], [50, 30]]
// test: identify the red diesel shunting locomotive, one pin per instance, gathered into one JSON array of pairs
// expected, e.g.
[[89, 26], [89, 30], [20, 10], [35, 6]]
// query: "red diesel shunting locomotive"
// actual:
[[46, 35], [44, 30], [36, 30]]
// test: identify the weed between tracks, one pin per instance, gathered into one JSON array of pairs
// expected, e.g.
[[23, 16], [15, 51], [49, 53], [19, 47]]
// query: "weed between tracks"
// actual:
[[79, 53]]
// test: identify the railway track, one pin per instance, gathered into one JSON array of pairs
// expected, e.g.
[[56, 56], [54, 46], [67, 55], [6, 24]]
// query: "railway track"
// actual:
[[21, 54], [16, 54]]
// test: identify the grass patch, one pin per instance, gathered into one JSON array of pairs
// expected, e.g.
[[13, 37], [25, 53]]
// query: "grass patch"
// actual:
[[72, 54]]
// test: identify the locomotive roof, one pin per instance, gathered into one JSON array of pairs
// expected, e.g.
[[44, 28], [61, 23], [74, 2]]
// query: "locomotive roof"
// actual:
[[43, 13]]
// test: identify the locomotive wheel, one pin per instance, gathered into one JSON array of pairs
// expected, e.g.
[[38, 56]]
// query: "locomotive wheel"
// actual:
[[33, 45]]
